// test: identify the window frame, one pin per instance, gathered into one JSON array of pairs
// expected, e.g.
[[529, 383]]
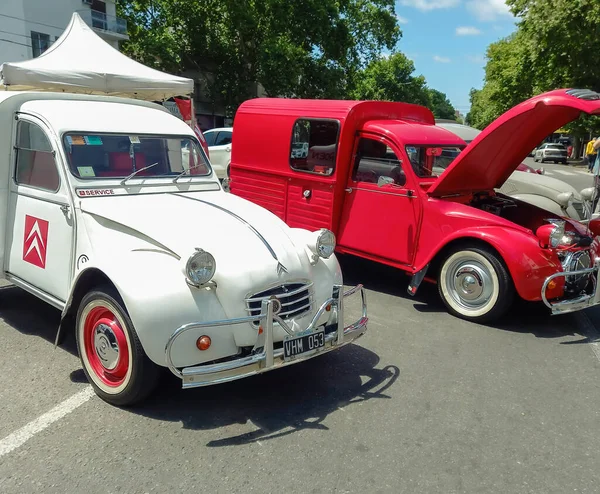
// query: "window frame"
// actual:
[[98, 179], [16, 159], [356, 162], [431, 177], [219, 135], [335, 153], [36, 37]]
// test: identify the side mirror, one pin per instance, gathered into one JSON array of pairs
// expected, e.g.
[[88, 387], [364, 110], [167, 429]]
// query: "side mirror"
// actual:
[[384, 181]]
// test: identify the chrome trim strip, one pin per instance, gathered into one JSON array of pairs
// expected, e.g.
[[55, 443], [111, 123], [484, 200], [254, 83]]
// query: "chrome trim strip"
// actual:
[[28, 287], [308, 297], [241, 220], [411, 196], [307, 287]]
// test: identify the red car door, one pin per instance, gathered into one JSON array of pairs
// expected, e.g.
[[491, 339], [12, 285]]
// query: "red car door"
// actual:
[[379, 221]]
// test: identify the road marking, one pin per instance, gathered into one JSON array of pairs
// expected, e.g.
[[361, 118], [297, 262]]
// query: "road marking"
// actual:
[[565, 173], [588, 330], [24, 434]]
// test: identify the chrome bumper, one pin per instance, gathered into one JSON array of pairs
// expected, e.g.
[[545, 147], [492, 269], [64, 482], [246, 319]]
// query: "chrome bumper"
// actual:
[[577, 303], [263, 356]]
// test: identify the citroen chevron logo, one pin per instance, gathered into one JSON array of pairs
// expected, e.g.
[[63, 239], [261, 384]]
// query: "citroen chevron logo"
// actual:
[[35, 241], [281, 268]]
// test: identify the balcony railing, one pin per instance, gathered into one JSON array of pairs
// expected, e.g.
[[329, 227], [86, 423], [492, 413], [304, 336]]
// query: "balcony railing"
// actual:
[[105, 22]]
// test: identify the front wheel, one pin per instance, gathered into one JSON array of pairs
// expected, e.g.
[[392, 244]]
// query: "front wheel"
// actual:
[[111, 354], [475, 285]]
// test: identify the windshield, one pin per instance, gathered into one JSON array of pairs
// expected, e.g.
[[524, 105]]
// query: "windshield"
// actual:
[[431, 161], [104, 156]]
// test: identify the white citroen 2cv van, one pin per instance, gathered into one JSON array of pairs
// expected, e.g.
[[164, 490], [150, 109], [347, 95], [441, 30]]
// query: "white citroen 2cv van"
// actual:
[[111, 213]]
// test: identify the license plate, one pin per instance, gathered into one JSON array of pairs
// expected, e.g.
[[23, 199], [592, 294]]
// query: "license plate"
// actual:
[[302, 345]]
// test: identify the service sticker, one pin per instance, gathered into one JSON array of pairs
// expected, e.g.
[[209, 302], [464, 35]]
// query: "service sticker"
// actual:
[[93, 140], [76, 140], [86, 171]]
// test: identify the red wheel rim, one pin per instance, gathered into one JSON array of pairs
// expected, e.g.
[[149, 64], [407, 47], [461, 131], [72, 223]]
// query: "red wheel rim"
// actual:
[[106, 346]]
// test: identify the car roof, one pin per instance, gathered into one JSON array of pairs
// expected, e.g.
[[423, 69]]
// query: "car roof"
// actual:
[[219, 129], [99, 116]]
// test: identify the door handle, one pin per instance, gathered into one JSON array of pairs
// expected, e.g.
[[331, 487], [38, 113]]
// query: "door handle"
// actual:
[[65, 209], [228, 149], [349, 190]]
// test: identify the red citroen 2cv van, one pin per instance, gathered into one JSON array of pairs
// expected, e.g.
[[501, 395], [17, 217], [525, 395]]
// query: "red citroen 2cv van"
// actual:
[[397, 189]]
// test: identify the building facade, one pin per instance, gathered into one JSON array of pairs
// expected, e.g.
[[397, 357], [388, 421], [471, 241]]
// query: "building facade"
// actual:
[[30, 27]]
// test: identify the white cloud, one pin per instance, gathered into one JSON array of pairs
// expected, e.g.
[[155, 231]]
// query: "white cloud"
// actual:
[[439, 59], [467, 31], [427, 5], [402, 20], [478, 59], [488, 10]]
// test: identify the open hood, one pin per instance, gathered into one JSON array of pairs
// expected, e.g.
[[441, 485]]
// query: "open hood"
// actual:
[[496, 152]]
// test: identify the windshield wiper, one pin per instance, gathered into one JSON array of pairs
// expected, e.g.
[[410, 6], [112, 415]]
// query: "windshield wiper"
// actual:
[[137, 171], [185, 171]]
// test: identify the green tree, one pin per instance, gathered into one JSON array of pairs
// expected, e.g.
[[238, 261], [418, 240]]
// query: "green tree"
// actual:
[[304, 48], [508, 81], [390, 79], [440, 105], [556, 45]]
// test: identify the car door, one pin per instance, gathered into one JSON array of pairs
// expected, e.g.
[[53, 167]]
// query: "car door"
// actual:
[[379, 220], [40, 249], [220, 152]]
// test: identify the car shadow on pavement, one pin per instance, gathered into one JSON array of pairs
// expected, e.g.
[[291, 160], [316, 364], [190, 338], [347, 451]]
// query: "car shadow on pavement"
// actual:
[[31, 316], [524, 317], [389, 280], [277, 403]]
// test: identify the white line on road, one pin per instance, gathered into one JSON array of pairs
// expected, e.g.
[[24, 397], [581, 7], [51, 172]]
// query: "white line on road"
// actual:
[[24, 434]]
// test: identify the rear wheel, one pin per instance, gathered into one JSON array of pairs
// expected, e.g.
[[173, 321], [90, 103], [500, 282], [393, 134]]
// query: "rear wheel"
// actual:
[[475, 285], [111, 354]]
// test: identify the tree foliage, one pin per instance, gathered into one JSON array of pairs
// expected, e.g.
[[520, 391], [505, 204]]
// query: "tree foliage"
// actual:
[[556, 45], [440, 105], [391, 79], [304, 48]]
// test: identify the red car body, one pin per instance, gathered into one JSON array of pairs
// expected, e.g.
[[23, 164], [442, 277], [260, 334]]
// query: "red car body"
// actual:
[[394, 210]]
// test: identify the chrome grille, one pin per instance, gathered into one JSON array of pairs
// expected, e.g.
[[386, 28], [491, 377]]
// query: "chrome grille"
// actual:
[[296, 299]]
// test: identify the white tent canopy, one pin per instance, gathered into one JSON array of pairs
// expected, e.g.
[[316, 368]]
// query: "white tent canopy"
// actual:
[[82, 62]]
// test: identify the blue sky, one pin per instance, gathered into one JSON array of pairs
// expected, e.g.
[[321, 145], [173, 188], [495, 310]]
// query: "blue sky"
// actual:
[[447, 41]]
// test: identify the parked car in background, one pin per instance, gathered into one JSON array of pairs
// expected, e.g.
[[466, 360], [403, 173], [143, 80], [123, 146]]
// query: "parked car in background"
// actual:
[[397, 189], [551, 151], [219, 147], [540, 190], [112, 214]]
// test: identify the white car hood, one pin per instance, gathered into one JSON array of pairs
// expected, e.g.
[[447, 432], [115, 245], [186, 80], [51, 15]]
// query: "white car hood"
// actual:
[[242, 236]]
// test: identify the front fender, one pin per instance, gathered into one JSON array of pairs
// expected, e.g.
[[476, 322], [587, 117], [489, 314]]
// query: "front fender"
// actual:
[[542, 202], [529, 265]]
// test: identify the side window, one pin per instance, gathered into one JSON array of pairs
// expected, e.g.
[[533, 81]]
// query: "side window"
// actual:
[[374, 159], [36, 166], [210, 138], [314, 146], [223, 139]]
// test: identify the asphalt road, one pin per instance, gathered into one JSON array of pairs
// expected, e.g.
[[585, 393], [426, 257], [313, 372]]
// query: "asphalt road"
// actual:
[[424, 402], [577, 176]]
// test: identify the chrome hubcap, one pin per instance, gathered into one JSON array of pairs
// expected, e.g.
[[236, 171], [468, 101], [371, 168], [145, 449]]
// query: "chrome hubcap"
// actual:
[[469, 283], [105, 344]]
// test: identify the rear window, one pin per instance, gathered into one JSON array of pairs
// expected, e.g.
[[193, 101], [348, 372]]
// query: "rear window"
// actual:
[[314, 145]]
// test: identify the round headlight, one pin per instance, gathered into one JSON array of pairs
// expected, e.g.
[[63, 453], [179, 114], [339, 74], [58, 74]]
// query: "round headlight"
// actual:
[[557, 233], [200, 268], [325, 243]]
